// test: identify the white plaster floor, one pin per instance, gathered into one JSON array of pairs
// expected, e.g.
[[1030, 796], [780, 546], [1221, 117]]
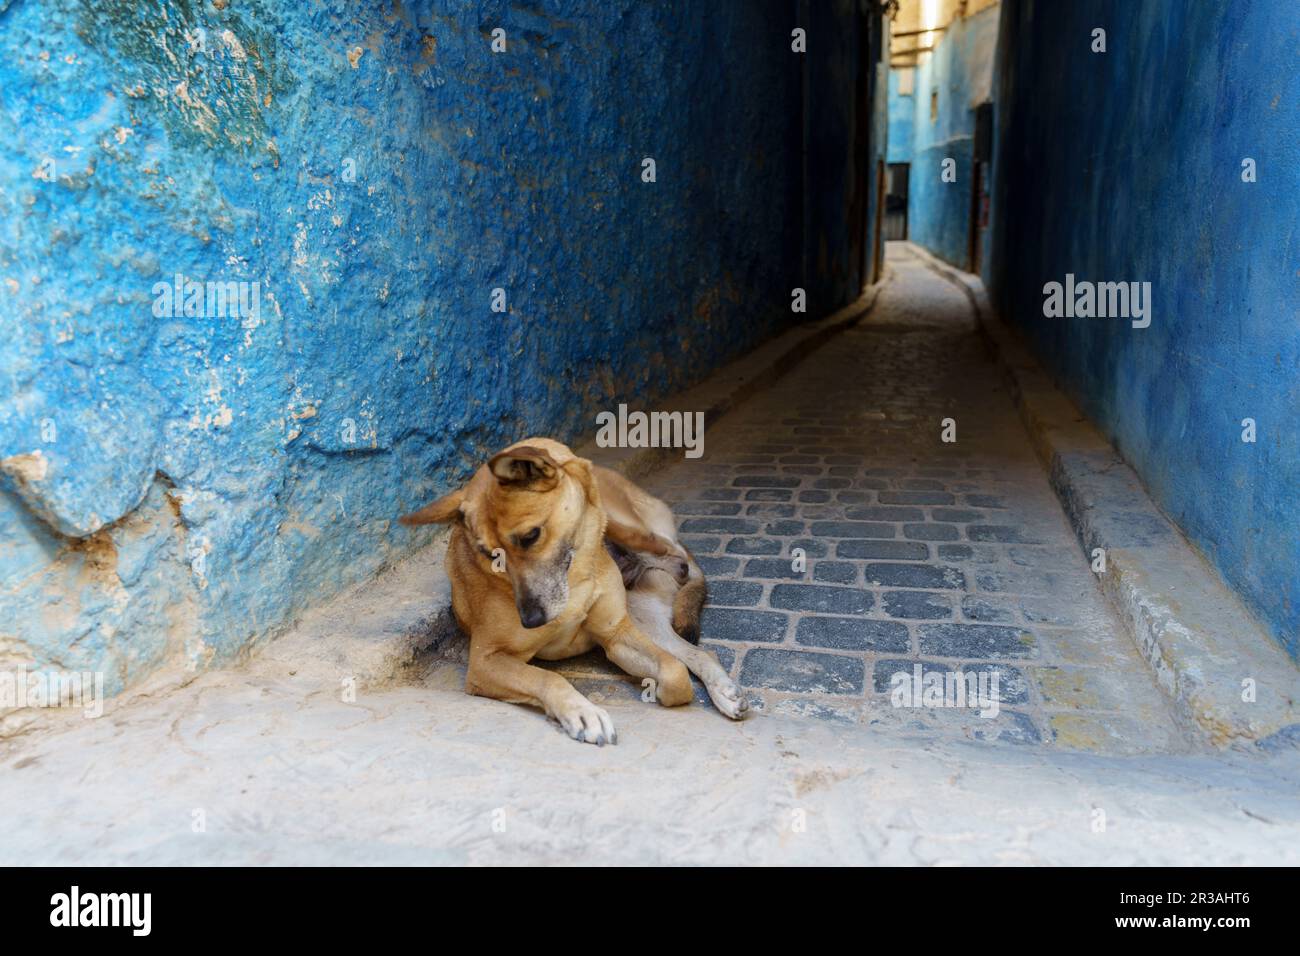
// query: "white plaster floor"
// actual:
[[255, 765]]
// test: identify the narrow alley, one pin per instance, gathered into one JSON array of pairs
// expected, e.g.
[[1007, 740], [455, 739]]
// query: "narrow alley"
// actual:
[[965, 335], [919, 550]]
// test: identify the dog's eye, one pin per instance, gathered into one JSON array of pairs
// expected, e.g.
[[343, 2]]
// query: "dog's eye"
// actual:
[[530, 539]]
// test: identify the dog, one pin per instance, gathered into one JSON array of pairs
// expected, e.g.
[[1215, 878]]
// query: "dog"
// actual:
[[532, 577]]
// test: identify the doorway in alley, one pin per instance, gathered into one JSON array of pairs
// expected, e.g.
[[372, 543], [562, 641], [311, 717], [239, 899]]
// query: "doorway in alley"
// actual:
[[895, 226]]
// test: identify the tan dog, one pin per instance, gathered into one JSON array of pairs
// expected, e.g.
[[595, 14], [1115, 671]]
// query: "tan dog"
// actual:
[[531, 578]]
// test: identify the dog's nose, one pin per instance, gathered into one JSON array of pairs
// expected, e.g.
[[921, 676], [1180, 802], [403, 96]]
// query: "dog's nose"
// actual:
[[532, 615], [683, 571]]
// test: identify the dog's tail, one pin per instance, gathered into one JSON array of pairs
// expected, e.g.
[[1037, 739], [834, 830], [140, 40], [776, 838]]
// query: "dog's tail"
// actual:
[[688, 603]]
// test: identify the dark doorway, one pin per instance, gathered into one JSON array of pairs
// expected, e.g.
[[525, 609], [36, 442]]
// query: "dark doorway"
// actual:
[[982, 176], [896, 201]]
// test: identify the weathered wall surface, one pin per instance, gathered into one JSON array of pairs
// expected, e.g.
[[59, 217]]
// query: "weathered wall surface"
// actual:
[[845, 132], [1127, 166], [902, 116], [186, 482], [960, 70]]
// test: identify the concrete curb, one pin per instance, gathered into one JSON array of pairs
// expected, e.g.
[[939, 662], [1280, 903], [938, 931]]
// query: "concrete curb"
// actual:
[[377, 628], [1203, 646]]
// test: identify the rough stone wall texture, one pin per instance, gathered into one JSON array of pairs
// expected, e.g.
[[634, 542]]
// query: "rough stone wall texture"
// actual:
[[185, 484], [1127, 166], [960, 70]]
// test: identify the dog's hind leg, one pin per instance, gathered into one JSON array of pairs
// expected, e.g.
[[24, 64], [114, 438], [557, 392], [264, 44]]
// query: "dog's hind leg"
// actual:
[[649, 606], [628, 647]]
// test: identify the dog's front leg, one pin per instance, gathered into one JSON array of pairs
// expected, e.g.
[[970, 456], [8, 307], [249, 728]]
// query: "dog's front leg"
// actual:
[[631, 650], [498, 675]]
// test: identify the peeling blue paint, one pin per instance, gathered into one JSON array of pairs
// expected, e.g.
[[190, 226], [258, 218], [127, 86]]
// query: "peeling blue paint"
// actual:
[[187, 484]]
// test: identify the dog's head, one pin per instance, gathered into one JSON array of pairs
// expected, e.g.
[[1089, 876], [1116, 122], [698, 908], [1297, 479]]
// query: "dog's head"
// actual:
[[526, 514]]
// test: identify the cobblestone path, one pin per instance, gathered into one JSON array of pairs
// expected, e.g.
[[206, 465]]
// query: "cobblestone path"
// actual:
[[920, 557]]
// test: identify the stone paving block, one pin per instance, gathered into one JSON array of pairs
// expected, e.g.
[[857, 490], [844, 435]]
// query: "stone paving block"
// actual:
[[885, 513], [771, 510], [977, 641], [821, 599], [786, 529], [930, 531], [765, 481], [802, 672], [772, 568], [1003, 534], [979, 554], [873, 485], [814, 496], [916, 605], [726, 624], [719, 494], [915, 498], [717, 566], [700, 544], [707, 508], [769, 494], [735, 593], [853, 529], [957, 515], [884, 550], [853, 634], [914, 576], [718, 525], [832, 483], [835, 572], [830, 512], [754, 546]]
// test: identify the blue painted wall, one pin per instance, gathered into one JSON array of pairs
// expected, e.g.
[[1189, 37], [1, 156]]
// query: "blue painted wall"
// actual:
[[185, 484], [1127, 166], [961, 70], [846, 133], [902, 117]]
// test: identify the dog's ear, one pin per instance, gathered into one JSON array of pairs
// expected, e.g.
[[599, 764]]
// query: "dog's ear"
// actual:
[[525, 467], [580, 469], [446, 508]]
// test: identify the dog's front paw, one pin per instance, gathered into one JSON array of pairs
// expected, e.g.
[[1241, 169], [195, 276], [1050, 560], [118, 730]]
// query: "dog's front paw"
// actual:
[[587, 723], [727, 697]]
